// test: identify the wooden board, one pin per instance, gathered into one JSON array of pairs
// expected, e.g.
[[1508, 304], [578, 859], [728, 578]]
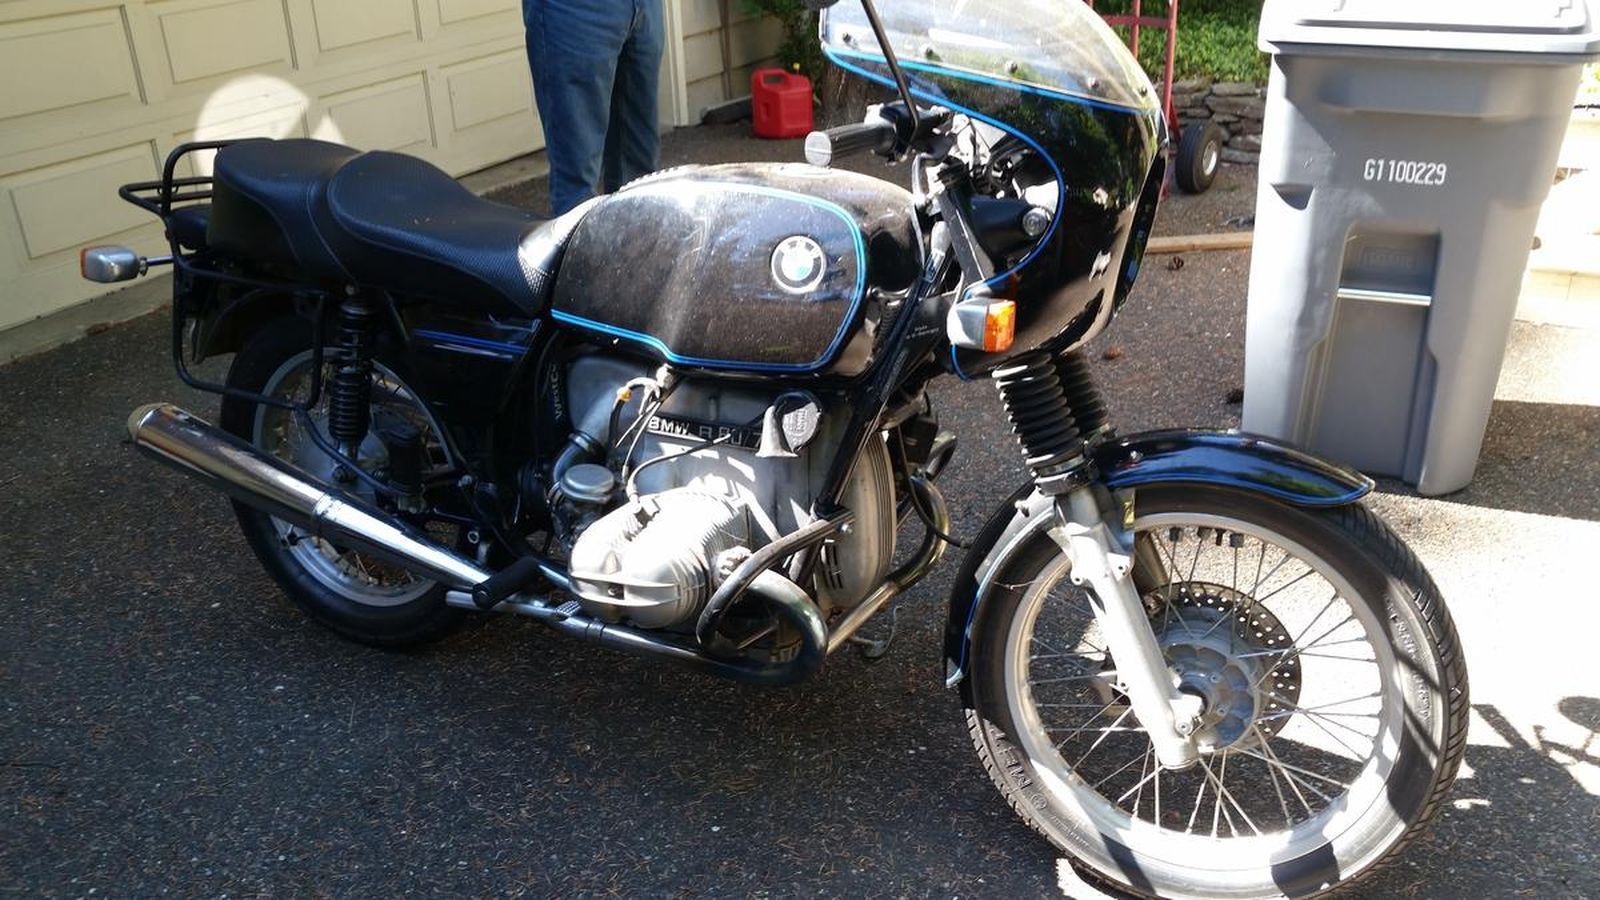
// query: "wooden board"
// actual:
[[1199, 243]]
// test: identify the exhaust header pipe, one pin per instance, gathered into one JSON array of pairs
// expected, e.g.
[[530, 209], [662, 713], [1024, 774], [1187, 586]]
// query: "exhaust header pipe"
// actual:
[[202, 451], [207, 453]]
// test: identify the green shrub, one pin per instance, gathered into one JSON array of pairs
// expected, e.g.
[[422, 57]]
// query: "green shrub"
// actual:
[[1216, 39], [800, 51]]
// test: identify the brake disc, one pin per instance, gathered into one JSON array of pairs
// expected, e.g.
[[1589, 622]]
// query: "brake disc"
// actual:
[[1231, 651]]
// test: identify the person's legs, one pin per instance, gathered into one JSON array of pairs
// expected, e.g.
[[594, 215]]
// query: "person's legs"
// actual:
[[633, 140], [573, 47]]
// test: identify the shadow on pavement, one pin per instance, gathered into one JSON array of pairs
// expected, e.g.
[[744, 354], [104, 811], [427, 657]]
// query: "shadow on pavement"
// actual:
[[1585, 713], [1513, 791]]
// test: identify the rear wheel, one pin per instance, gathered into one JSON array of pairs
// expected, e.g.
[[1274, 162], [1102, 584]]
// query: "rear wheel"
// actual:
[[360, 597], [1335, 697]]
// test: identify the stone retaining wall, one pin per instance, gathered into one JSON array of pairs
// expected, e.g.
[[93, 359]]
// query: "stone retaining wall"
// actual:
[[1236, 106]]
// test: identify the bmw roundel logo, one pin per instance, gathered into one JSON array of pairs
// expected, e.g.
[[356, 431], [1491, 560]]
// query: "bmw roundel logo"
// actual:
[[798, 264]]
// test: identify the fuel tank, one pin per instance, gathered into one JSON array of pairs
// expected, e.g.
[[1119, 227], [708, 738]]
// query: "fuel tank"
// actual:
[[749, 267]]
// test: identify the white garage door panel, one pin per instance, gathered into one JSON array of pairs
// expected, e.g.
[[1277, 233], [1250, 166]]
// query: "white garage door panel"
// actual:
[[389, 116], [489, 101], [249, 94], [64, 63], [205, 38], [67, 205], [283, 122], [494, 87], [451, 11], [343, 23]]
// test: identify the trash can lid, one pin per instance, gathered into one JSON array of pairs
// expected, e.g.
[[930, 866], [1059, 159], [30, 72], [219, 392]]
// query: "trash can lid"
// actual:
[[1556, 27]]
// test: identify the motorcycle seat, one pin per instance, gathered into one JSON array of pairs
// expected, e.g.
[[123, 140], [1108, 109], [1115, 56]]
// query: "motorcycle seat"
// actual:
[[409, 227], [267, 197], [188, 225], [382, 220]]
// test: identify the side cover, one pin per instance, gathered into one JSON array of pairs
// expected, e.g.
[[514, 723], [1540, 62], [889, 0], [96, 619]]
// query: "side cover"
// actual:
[[755, 268]]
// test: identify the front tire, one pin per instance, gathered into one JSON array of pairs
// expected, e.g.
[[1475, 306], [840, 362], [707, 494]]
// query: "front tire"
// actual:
[[1336, 718], [360, 598]]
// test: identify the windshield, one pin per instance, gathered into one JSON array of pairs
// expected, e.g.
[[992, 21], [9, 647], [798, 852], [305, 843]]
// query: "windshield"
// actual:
[[1059, 45]]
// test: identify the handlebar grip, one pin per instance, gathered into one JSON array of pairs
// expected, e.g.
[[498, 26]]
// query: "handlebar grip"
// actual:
[[823, 148]]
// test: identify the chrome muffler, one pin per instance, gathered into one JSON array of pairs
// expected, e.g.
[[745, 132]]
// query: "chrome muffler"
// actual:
[[202, 451], [216, 458]]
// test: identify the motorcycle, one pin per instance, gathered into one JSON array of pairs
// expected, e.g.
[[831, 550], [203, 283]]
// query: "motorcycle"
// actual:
[[688, 420]]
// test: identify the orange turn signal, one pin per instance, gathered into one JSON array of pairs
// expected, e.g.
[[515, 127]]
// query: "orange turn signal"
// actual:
[[1000, 326]]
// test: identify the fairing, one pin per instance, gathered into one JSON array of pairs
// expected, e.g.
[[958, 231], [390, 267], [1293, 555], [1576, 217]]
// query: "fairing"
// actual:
[[1063, 47], [1056, 89], [688, 265]]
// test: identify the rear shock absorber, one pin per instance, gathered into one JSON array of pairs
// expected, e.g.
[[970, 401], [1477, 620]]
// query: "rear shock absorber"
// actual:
[[350, 389], [1041, 399]]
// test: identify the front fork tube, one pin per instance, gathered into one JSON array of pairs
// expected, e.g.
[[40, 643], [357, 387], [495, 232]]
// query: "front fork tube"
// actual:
[[1102, 562]]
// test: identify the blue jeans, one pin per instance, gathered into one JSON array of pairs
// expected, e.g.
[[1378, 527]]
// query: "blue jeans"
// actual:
[[596, 68]]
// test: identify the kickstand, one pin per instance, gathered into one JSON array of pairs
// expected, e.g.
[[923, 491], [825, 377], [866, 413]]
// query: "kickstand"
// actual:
[[872, 649]]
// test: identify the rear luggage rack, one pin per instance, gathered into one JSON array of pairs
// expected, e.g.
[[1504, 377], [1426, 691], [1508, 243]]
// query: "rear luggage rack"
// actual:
[[158, 197], [197, 275]]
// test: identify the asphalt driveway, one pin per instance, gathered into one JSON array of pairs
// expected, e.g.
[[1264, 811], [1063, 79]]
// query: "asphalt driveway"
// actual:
[[173, 726]]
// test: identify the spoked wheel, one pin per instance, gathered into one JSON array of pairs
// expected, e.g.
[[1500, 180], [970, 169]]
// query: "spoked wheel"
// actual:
[[1334, 700], [359, 596]]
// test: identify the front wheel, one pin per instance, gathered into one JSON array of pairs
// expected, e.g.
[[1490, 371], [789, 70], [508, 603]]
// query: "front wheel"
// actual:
[[1335, 699]]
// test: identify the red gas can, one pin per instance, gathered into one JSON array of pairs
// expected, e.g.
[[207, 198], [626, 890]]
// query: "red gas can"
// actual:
[[780, 103]]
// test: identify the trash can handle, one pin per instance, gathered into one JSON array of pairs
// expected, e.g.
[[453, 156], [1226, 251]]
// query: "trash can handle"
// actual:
[[1401, 298]]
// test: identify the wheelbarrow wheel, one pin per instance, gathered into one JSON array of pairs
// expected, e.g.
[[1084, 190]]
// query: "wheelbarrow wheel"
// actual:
[[1199, 154]]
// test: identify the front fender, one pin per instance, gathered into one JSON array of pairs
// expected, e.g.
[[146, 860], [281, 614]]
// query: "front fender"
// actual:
[[1224, 458], [1229, 459]]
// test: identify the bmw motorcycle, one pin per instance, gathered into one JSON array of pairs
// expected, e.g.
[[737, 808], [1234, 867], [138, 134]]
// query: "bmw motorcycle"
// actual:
[[689, 420]]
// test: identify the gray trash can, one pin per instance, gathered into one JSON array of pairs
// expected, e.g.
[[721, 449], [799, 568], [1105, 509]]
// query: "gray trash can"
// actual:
[[1407, 148]]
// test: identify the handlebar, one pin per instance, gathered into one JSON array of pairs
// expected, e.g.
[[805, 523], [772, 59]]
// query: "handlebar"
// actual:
[[823, 148]]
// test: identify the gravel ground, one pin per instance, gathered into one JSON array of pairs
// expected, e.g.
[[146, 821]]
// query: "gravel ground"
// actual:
[[173, 726]]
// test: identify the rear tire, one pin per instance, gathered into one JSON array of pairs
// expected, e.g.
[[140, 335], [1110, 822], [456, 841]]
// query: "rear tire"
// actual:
[[1360, 810], [1199, 156], [332, 586]]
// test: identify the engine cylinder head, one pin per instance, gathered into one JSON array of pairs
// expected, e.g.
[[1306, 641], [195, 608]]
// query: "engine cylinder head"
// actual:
[[771, 474], [653, 561]]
